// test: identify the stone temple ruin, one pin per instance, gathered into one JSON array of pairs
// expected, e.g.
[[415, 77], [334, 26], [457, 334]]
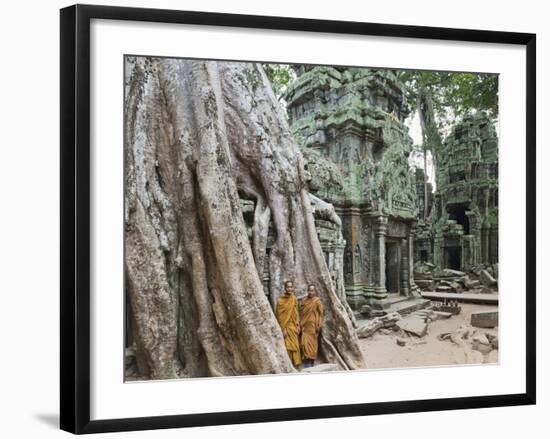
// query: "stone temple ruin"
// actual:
[[456, 246], [350, 125], [465, 223], [402, 254]]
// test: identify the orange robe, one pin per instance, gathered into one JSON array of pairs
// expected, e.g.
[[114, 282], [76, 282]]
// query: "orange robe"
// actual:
[[287, 316], [311, 319]]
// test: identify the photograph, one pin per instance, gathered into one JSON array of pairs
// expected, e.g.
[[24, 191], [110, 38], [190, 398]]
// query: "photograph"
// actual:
[[298, 218], [266, 219]]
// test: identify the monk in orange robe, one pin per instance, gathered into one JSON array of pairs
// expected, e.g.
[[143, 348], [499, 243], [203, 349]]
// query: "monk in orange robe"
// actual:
[[311, 320], [287, 316]]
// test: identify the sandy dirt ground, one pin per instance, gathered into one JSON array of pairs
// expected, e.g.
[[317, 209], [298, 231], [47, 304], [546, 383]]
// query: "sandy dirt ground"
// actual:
[[382, 351]]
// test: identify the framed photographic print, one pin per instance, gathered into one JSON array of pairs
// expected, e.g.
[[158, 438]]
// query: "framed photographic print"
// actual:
[[274, 218]]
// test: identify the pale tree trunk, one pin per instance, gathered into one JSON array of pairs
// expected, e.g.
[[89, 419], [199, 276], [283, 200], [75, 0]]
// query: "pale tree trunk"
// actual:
[[200, 135], [430, 136]]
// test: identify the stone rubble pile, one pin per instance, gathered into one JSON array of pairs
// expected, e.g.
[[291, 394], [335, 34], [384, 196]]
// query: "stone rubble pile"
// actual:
[[480, 345], [415, 323], [481, 279]]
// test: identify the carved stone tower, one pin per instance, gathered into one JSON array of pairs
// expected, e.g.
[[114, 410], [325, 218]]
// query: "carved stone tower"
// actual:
[[466, 208]]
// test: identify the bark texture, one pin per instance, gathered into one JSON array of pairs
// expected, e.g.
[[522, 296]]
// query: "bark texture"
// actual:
[[199, 136]]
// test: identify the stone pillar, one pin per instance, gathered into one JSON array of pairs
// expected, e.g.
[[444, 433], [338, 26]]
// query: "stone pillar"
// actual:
[[439, 256], [339, 268], [466, 252], [405, 258], [493, 245], [379, 264], [351, 222], [485, 245], [485, 228], [413, 288]]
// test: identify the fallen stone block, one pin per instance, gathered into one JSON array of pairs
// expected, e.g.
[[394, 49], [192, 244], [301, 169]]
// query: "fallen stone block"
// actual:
[[476, 269], [481, 344], [486, 279], [423, 314], [325, 367], [385, 321], [481, 338], [492, 357], [393, 316], [464, 280], [450, 272], [484, 319], [416, 326], [425, 284], [457, 337], [400, 341], [370, 328], [440, 315], [456, 287], [493, 339]]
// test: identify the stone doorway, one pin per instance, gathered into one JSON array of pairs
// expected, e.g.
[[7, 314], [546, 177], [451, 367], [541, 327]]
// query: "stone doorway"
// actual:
[[453, 258], [423, 255], [393, 266], [457, 212]]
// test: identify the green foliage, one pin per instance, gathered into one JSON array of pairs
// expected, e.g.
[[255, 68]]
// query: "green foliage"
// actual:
[[451, 94], [280, 76]]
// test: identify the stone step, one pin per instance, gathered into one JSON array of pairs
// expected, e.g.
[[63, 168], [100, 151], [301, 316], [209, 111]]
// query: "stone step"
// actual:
[[389, 301], [462, 297]]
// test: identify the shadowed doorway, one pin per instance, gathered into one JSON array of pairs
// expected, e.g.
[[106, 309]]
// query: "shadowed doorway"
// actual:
[[393, 266], [453, 257]]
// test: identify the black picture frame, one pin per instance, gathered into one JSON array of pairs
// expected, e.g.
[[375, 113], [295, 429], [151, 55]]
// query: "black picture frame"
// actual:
[[75, 217]]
